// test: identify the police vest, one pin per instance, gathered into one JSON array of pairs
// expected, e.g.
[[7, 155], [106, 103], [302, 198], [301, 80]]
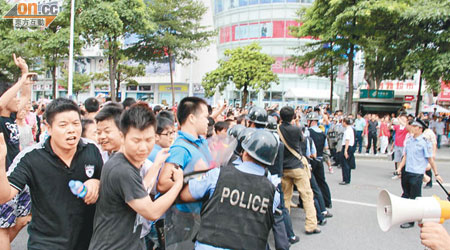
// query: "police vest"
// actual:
[[239, 215], [319, 141]]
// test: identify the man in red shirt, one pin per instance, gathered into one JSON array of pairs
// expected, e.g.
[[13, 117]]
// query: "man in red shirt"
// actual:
[[401, 131]]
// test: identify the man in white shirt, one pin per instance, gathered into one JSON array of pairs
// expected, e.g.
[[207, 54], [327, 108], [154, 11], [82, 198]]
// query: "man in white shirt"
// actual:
[[439, 127], [348, 142]]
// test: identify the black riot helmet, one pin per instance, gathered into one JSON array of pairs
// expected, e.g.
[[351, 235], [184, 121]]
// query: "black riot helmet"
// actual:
[[257, 115], [272, 124], [261, 146], [244, 133], [234, 131]]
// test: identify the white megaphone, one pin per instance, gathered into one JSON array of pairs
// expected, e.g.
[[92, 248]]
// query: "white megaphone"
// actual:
[[393, 210]]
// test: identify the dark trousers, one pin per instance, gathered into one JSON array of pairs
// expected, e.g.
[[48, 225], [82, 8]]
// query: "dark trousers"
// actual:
[[286, 217], [319, 173], [346, 164], [430, 174], [411, 184], [279, 233], [372, 137], [319, 203], [359, 140]]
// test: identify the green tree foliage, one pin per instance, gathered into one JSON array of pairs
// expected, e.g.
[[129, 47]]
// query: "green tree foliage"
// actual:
[[81, 82], [108, 22], [124, 74], [178, 36], [20, 42], [54, 45], [245, 67]]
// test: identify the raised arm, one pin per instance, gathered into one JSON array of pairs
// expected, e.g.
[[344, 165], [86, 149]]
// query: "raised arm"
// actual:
[[6, 191], [166, 181]]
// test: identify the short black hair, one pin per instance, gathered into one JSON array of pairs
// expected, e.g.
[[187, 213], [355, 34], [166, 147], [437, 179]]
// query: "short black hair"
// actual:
[[189, 105], [128, 102], [60, 105], [240, 118], [287, 114], [163, 123], [219, 126], [157, 109], [110, 112], [84, 124], [138, 116], [91, 105], [166, 114]]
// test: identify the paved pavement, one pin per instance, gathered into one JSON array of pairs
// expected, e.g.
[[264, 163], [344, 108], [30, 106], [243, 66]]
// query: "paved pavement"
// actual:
[[442, 155], [354, 225]]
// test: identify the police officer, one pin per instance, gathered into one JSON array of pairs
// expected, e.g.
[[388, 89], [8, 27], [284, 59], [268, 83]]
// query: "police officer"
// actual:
[[320, 141], [418, 153], [241, 200], [256, 118]]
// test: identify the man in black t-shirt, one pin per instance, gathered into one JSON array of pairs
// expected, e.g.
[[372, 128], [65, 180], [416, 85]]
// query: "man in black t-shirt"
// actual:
[[60, 220], [14, 214], [124, 201]]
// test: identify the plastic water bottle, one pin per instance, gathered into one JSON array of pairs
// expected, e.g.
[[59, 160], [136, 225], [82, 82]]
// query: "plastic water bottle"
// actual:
[[78, 188]]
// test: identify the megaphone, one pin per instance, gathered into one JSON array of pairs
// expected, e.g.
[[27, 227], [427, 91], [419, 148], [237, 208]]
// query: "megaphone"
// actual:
[[393, 210]]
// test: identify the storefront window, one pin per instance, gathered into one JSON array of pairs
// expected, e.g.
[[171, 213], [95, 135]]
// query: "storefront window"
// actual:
[[277, 96]]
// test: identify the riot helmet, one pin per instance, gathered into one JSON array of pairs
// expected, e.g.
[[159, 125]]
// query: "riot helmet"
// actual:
[[312, 116], [257, 115], [244, 133], [271, 123], [234, 131], [261, 146]]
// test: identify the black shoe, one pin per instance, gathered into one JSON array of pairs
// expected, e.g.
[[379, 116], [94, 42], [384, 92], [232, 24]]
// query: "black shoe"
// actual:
[[328, 214], [407, 225], [322, 222], [343, 183], [315, 231], [294, 239], [427, 186], [329, 206]]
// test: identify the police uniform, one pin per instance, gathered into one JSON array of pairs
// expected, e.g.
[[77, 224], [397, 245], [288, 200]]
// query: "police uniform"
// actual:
[[241, 199]]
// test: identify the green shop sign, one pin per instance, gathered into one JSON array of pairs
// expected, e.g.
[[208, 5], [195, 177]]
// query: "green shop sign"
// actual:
[[373, 93]]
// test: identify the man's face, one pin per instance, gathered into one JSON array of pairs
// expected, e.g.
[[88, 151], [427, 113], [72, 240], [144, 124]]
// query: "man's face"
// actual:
[[65, 130], [415, 130], [201, 120], [108, 135], [165, 139], [138, 144], [91, 132]]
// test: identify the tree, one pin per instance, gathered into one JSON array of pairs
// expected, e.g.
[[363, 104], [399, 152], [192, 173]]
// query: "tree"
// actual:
[[124, 74], [54, 45], [321, 55], [20, 42], [178, 36], [429, 49], [108, 22], [245, 67], [81, 82]]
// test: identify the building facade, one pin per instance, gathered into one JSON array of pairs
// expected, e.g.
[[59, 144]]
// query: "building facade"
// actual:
[[241, 22]]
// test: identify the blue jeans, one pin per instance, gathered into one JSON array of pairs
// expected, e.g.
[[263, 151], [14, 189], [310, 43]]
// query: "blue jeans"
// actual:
[[439, 137], [359, 140]]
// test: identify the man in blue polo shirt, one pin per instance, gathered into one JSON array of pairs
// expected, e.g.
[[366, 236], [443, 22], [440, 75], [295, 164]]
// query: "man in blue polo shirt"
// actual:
[[417, 154], [189, 152]]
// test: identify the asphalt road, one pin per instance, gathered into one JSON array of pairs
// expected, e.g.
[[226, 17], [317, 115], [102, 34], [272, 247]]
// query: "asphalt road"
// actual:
[[354, 225]]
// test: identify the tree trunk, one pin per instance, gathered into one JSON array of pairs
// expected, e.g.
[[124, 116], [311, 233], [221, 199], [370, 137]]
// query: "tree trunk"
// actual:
[[53, 69], [244, 97], [331, 84], [350, 79], [419, 94], [118, 80], [171, 78], [112, 76]]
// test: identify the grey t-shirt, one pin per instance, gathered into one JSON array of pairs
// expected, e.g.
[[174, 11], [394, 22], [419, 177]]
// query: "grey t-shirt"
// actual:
[[116, 225]]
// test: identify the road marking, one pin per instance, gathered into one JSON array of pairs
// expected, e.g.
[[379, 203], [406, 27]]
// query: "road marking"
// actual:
[[349, 202], [355, 203]]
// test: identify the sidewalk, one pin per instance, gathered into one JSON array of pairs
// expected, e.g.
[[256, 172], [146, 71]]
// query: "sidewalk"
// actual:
[[442, 155]]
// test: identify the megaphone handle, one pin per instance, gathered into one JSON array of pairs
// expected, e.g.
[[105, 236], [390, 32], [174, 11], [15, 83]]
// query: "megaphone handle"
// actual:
[[445, 190]]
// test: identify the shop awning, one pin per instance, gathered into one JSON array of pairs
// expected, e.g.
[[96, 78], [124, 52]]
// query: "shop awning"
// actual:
[[430, 108]]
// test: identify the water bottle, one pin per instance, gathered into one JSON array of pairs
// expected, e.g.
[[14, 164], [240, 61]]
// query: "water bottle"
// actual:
[[78, 188]]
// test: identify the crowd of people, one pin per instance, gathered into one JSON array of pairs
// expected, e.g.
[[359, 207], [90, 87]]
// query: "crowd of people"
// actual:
[[157, 178]]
